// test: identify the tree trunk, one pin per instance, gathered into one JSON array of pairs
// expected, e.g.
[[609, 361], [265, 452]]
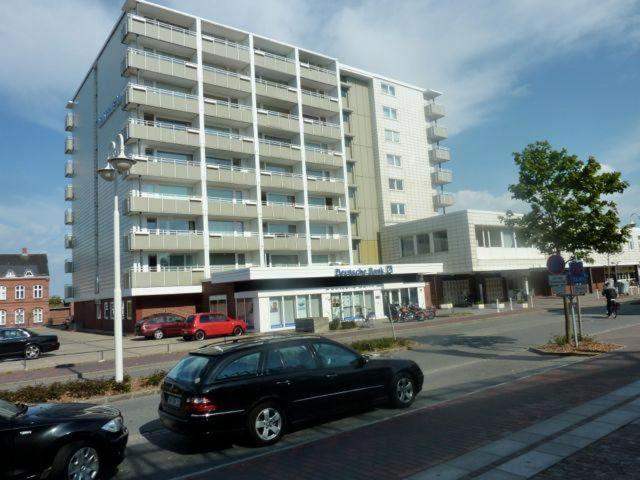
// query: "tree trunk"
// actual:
[[567, 320]]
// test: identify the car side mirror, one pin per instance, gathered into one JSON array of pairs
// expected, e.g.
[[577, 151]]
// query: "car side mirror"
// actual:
[[364, 359]]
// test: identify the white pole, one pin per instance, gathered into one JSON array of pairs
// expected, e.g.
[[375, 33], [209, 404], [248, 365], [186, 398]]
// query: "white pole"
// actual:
[[117, 293], [497, 305], [510, 303]]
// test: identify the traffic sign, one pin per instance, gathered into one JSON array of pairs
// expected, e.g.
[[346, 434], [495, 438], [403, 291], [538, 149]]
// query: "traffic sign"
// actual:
[[555, 264], [557, 284], [580, 289], [577, 275]]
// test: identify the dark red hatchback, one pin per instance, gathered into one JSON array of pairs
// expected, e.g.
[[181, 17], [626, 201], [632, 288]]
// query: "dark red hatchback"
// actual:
[[160, 325]]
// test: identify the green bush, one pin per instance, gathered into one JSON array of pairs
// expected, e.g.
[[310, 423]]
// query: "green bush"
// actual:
[[154, 379], [376, 344], [561, 340], [74, 389], [348, 325], [334, 324]]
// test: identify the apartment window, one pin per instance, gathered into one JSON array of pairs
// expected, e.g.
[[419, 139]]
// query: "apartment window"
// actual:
[[178, 157], [3, 293], [394, 160], [440, 241], [407, 246], [392, 136], [397, 208], [37, 315], [320, 259], [19, 292], [396, 184], [423, 244], [3, 317], [388, 89], [37, 291], [18, 316], [390, 113], [489, 236], [508, 239]]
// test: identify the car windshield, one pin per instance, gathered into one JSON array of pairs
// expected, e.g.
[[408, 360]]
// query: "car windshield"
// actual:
[[9, 410], [190, 318], [189, 370]]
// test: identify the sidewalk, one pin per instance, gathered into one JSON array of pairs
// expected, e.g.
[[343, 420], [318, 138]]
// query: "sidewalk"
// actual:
[[479, 432]]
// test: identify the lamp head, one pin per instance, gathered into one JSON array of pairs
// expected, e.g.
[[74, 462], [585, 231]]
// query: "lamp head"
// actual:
[[107, 173], [119, 161]]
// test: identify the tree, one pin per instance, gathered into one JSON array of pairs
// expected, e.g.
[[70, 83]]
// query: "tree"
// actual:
[[570, 200], [55, 301]]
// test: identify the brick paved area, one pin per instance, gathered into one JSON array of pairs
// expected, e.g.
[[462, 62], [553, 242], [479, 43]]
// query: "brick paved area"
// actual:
[[617, 456], [402, 446]]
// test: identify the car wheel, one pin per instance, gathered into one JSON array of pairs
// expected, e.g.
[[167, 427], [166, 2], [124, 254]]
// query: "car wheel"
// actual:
[[403, 390], [78, 460], [31, 352], [158, 334], [266, 424], [237, 331], [200, 335]]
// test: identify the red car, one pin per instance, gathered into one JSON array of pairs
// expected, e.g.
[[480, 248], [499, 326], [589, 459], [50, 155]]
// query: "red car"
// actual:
[[203, 325], [160, 325]]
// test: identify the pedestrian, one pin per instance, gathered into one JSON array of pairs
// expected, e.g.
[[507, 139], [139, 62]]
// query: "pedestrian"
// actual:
[[610, 293]]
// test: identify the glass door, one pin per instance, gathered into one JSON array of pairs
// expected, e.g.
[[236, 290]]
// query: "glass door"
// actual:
[[275, 308]]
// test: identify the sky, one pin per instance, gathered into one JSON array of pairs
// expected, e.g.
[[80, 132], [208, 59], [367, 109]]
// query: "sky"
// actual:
[[511, 73]]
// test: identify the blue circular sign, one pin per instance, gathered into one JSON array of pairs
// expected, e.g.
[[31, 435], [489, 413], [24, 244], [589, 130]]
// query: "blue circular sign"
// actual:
[[555, 264]]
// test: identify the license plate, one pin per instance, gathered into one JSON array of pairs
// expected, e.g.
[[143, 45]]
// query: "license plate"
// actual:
[[173, 401]]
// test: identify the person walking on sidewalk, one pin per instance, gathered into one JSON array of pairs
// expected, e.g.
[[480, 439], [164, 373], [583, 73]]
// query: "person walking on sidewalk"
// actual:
[[610, 293]]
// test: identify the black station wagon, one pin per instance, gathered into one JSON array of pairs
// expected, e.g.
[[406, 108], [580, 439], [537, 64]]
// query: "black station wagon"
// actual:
[[261, 387]]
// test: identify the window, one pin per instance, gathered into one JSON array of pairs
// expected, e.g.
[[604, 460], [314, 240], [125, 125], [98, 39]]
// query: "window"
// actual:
[[189, 369], [241, 367], [334, 355], [489, 236], [390, 113], [394, 160], [3, 317], [440, 241], [112, 310], [28, 273], [19, 316], [392, 136], [396, 184], [19, 292], [508, 239], [106, 310], [129, 310], [98, 312], [388, 89], [3, 293], [37, 291], [10, 274], [291, 358], [407, 247], [37, 315], [423, 244], [397, 208]]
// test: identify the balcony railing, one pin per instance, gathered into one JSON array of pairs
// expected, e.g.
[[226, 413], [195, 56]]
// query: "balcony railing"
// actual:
[[148, 277], [218, 133], [244, 201], [68, 265], [439, 155], [317, 69], [162, 91], [282, 86], [319, 122], [233, 234], [319, 95], [162, 132], [69, 240], [175, 196], [442, 200], [215, 101], [281, 174], [232, 168], [277, 143], [69, 145], [69, 217], [68, 192], [227, 43], [170, 126], [442, 177], [323, 151], [275, 56], [68, 168], [69, 121], [168, 161], [160, 231], [272, 113], [166, 58], [267, 203], [222, 71], [338, 208], [164, 31]]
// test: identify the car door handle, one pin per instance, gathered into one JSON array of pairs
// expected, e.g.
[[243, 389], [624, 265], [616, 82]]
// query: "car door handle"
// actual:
[[331, 375], [284, 382]]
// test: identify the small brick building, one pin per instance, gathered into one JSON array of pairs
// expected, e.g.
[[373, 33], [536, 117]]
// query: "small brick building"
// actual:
[[24, 289]]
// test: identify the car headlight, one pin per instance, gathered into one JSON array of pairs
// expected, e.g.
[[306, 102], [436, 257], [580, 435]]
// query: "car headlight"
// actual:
[[113, 426]]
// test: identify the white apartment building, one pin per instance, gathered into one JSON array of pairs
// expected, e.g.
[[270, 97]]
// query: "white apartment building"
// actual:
[[250, 153]]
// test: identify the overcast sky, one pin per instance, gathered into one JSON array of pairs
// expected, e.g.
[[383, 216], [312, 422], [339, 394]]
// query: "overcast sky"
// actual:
[[511, 72]]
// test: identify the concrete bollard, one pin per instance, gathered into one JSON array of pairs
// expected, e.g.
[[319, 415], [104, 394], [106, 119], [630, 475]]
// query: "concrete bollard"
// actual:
[[497, 305], [510, 304], [168, 348], [101, 359], [24, 364]]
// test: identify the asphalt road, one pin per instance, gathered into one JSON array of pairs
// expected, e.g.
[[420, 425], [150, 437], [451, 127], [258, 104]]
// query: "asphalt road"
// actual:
[[457, 359]]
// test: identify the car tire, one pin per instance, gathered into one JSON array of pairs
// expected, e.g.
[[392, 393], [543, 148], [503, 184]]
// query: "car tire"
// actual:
[[237, 331], [158, 335], [200, 335], [265, 424], [31, 352], [403, 390], [75, 456]]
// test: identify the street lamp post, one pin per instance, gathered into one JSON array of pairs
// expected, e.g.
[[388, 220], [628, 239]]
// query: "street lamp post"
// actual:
[[117, 164]]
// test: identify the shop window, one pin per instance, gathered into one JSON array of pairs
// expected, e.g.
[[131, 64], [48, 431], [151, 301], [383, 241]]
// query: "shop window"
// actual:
[[315, 305], [218, 303], [440, 241], [244, 311]]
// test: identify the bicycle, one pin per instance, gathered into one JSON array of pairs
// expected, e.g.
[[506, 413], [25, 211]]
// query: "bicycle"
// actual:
[[615, 308]]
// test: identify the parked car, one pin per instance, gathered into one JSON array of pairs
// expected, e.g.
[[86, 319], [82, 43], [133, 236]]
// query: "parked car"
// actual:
[[61, 440], [160, 325], [211, 324], [26, 343], [261, 387]]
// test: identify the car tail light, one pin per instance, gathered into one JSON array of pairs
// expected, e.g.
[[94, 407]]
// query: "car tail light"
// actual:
[[200, 405]]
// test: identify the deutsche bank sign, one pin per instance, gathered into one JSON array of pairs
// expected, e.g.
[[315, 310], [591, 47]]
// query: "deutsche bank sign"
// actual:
[[364, 272]]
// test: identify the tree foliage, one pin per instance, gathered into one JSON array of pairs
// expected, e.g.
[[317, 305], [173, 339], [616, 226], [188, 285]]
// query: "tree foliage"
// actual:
[[55, 301], [571, 208]]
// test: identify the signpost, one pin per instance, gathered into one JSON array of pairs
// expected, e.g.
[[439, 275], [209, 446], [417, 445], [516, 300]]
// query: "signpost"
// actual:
[[557, 283]]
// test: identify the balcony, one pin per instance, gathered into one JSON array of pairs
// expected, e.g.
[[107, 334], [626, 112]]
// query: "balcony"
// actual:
[[332, 186], [441, 177], [231, 175], [237, 114], [68, 265], [69, 145], [286, 93], [443, 200], [165, 240], [159, 64], [69, 217], [285, 242], [157, 98], [268, 119], [234, 242], [436, 133], [69, 121], [439, 155], [322, 129], [328, 214], [68, 168], [228, 142], [325, 158], [281, 181], [329, 243], [226, 79], [318, 74], [68, 292], [292, 212], [226, 49], [320, 101], [433, 111], [279, 150], [69, 240], [68, 192], [165, 277], [153, 29], [275, 62], [159, 168], [224, 208], [161, 132], [141, 202]]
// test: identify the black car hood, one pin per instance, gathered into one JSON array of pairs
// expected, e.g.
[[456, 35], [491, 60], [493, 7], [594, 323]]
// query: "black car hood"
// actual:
[[391, 362], [69, 411]]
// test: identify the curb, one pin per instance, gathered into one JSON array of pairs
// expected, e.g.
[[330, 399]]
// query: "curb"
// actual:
[[567, 354], [123, 396]]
